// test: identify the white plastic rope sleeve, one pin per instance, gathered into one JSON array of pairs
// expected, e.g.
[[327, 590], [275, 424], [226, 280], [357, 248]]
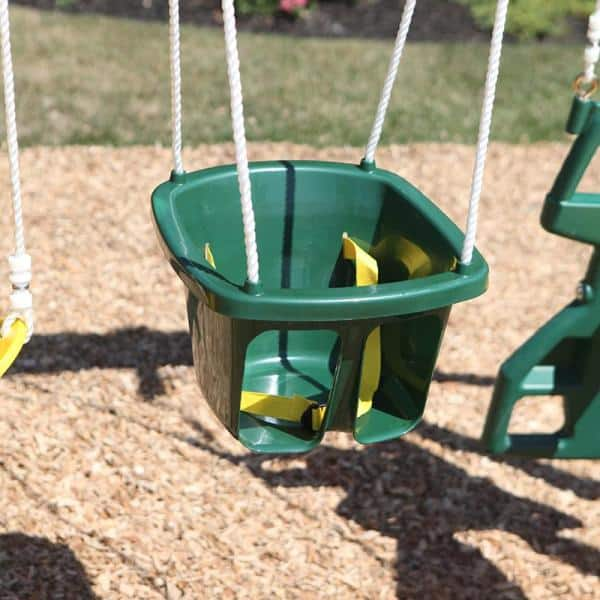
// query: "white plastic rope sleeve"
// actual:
[[485, 125], [21, 301], [239, 136], [176, 102], [386, 92], [592, 51]]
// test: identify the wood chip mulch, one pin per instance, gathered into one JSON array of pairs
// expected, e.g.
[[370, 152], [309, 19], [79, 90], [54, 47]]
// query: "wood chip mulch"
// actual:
[[117, 482]]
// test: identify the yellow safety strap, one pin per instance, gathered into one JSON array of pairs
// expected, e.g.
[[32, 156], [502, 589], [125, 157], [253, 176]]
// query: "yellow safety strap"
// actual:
[[11, 345], [367, 273], [286, 408], [418, 263], [295, 408]]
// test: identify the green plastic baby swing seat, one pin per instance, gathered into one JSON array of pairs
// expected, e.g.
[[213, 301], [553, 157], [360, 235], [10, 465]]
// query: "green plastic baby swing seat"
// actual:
[[303, 332]]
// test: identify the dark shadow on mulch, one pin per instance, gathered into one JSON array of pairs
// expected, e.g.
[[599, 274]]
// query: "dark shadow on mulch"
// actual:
[[422, 501], [589, 489], [464, 378], [145, 351], [398, 488], [139, 348], [36, 568]]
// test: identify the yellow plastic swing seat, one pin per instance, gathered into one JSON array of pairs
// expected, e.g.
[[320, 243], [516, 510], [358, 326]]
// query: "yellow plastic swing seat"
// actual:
[[10, 345]]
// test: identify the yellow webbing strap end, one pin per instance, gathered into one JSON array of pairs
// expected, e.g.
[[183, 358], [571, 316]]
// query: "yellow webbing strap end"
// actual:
[[367, 273], [11, 345], [317, 416], [208, 256]]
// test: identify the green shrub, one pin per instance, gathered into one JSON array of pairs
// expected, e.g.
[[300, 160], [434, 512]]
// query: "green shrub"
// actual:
[[257, 7], [531, 18], [293, 8]]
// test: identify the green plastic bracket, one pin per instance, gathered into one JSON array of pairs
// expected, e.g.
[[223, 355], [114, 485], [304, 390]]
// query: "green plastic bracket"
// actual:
[[562, 358]]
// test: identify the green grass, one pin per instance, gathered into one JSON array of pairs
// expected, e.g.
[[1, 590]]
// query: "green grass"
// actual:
[[89, 79]]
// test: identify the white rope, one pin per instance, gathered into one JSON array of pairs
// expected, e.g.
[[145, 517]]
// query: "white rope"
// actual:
[[386, 92], [176, 111], [21, 302], [485, 126], [239, 136], [592, 51]]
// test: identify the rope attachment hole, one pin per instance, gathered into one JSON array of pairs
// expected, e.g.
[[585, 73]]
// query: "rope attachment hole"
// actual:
[[585, 88]]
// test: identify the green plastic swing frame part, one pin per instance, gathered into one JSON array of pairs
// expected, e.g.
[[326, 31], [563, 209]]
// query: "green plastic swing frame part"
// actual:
[[304, 329], [562, 358]]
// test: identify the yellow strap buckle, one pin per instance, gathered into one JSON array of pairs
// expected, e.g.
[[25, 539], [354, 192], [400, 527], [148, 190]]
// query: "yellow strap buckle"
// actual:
[[295, 409]]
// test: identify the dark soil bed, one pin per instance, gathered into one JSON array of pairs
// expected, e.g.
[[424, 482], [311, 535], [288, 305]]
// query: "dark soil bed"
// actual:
[[434, 19]]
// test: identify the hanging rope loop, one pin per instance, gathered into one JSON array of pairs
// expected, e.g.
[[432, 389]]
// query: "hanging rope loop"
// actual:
[[486, 113], [237, 117], [176, 100], [21, 300], [388, 85], [485, 126], [239, 137], [239, 131]]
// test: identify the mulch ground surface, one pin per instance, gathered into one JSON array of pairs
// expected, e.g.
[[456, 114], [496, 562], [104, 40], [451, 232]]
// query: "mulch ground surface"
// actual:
[[117, 482]]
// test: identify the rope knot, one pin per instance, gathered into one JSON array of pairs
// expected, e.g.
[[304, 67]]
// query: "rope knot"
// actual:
[[20, 271]]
